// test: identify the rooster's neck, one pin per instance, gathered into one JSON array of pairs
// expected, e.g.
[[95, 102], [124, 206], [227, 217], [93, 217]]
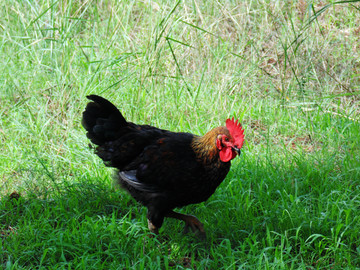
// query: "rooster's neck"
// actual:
[[205, 146]]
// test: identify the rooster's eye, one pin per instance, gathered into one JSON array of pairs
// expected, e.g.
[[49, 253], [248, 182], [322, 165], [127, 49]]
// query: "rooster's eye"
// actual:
[[226, 139]]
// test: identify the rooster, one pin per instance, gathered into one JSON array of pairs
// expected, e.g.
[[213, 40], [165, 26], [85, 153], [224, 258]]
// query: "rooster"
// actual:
[[161, 169]]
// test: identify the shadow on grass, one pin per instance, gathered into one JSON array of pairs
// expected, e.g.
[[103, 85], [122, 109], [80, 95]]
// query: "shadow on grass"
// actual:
[[251, 213]]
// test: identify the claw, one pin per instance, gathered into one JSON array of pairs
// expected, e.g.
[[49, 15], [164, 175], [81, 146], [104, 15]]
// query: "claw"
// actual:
[[190, 222], [193, 223], [152, 227]]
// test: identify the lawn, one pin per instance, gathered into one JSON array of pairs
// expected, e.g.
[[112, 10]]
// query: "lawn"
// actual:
[[289, 70]]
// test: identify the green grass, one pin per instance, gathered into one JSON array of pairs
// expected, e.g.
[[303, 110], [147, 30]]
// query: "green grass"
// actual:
[[289, 70]]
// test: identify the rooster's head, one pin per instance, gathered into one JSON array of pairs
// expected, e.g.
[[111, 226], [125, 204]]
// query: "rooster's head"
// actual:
[[230, 143]]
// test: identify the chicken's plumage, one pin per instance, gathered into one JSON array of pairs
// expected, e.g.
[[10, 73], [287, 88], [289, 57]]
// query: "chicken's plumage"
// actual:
[[159, 168]]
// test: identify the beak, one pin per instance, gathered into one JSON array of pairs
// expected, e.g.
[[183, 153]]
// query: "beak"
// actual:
[[237, 150]]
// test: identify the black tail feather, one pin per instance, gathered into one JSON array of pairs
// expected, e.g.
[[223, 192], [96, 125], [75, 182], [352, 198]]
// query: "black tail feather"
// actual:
[[102, 120]]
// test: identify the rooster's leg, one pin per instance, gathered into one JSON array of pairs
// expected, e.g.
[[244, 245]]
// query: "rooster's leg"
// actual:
[[190, 221], [152, 227]]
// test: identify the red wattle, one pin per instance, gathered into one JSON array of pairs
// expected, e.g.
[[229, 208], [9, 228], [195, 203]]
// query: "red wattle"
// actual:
[[226, 154]]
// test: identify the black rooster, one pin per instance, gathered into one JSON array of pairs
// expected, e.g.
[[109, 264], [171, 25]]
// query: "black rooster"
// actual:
[[159, 168]]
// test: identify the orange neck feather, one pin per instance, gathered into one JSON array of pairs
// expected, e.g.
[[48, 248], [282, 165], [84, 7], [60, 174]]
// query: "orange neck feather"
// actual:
[[205, 146]]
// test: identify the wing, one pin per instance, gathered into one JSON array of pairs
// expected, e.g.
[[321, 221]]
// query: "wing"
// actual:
[[129, 145], [167, 165]]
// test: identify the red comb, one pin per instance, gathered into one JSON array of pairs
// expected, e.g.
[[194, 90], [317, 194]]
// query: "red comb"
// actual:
[[236, 131]]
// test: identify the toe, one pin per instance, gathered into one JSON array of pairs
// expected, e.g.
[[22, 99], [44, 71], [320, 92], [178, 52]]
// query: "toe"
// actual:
[[152, 227]]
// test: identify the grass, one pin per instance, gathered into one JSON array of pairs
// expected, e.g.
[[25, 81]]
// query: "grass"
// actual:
[[289, 70]]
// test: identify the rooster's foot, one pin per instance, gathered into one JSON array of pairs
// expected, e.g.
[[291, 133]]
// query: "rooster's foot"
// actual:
[[190, 222], [153, 228]]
